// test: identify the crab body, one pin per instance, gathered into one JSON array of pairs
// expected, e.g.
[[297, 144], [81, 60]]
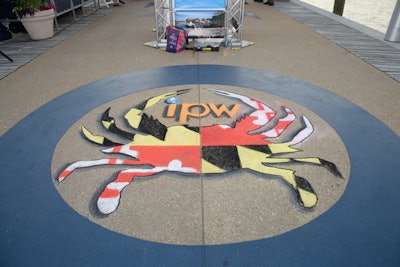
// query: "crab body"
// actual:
[[209, 149]]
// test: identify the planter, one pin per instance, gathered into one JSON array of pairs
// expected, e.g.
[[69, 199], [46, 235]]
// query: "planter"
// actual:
[[40, 26]]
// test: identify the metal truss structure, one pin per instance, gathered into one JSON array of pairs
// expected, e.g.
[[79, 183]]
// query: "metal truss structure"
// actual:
[[234, 13], [163, 12]]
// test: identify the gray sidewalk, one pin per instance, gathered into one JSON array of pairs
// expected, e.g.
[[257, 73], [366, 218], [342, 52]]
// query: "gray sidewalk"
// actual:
[[114, 44]]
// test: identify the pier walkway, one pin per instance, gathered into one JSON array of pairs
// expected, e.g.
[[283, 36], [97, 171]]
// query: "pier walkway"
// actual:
[[282, 153]]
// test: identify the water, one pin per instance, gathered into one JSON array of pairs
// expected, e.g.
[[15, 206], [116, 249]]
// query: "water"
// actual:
[[375, 14]]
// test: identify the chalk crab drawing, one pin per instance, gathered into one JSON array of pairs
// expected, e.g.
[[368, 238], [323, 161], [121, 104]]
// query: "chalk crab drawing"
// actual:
[[154, 148]]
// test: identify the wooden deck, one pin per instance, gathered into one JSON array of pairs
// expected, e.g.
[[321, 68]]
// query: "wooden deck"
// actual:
[[21, 49], [377, 53]]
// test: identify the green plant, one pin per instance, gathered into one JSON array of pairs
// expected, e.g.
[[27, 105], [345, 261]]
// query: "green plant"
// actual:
[[30, 7]]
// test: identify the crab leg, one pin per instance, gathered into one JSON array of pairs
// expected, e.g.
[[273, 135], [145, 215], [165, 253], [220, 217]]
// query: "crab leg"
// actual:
[[108, 200], [317, 161], [304, 192], [110, 197], [90, 163], [257, 161], [253, 160]]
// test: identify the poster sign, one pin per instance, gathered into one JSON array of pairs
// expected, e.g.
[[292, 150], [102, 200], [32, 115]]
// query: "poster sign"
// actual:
[[200, 4], [201, 23], [201, 18]]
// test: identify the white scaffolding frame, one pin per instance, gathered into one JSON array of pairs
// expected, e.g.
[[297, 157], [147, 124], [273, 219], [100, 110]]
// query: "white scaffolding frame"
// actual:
[[165, 9], [234, 14]]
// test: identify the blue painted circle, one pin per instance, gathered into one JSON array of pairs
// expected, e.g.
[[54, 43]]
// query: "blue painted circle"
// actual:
[[37, 227]]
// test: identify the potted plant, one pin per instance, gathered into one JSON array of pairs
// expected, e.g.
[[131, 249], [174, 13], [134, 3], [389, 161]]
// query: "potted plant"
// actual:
[[37, 17]]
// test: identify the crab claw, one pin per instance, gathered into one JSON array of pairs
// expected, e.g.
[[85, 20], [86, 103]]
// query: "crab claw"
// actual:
[[245, 99], [304, 133], [254, 103], [182, 91]]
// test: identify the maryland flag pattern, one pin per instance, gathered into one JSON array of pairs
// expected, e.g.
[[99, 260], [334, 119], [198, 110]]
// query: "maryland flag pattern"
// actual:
[[210, 149]]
